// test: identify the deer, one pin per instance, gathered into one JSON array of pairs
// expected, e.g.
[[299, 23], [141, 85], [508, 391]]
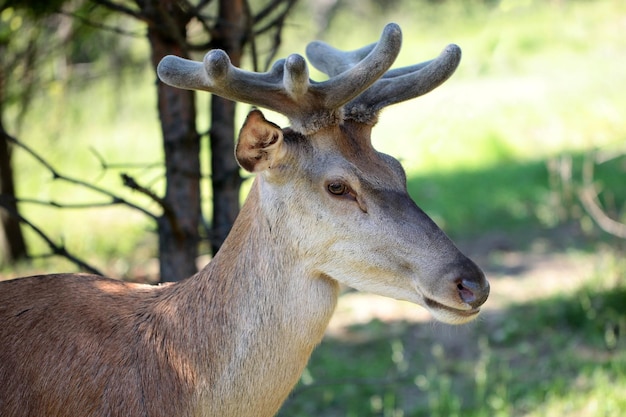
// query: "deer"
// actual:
[[325, 209]]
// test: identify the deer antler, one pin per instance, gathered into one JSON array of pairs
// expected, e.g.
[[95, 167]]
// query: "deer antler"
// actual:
[[358, 88], [286, 88], [395, 86]]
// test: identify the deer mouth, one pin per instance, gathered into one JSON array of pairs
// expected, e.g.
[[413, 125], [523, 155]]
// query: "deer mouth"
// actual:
[[451, 315]]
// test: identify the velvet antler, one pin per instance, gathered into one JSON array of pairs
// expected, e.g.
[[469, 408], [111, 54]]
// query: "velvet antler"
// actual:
[[394, 86], [359, 84]]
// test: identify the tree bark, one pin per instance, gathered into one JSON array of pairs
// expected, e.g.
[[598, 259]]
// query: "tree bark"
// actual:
[[11, 239], [225, 179], [179, 224]]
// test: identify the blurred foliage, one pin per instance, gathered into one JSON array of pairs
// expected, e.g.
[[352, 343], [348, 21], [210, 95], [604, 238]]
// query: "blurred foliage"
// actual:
[[477, 149], [521, 198], [33, 8], [46, 45]]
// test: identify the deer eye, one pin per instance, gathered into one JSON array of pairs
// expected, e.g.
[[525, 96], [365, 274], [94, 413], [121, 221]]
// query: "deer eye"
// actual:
[[338, 188]]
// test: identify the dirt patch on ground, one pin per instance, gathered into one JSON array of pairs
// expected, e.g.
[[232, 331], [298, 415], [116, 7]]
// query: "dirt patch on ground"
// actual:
[[515, 277]]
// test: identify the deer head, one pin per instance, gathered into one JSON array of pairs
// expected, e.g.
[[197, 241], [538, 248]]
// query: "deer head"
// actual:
[[328, 198]]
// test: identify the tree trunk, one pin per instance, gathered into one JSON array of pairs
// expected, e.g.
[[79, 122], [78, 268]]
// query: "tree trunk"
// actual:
[[225, 179], [179, 225], [12, 241]]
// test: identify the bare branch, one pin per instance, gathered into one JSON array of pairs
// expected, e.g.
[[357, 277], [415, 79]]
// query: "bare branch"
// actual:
[[123, 165], [588, 195], [268, 9], [278, 23], [251, 38], [132, 184], [59, 250], [196, 11], [56, 175], [56, 204], [168, 212], [589, 198], [96, 25], [120, 8]]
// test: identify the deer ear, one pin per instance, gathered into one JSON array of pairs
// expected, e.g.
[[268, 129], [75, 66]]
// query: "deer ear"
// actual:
[[260, 143]]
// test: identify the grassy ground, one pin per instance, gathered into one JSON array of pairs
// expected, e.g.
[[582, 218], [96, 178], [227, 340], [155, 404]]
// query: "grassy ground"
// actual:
[[495, 156], [549, 343]]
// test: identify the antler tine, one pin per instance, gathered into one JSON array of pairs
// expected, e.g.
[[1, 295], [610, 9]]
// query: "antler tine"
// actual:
[[217, 75], [394, 86], [404, 84], [366, 65], [332, 61], [286, 88]]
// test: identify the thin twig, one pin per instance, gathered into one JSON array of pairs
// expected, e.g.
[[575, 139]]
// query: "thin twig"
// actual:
[[122, 165], [268, 9], [117, 7], [251, 39], [101, 26], [59, 250], [56, 175], [132, 184], [588, 195], [56, 204], [278, 23]]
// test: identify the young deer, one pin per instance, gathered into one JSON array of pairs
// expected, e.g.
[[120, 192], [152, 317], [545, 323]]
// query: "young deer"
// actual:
[[325, 208]]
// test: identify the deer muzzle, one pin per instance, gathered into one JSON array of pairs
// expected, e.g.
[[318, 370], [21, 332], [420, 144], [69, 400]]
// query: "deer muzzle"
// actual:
[[465, 289]]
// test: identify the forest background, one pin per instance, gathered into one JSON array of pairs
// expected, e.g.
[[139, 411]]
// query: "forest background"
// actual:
[[513, 157]]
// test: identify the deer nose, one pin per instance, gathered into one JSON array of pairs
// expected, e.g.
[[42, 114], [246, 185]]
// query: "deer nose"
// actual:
[[472, 286]]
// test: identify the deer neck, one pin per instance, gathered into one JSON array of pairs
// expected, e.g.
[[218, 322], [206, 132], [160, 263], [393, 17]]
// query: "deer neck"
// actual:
[[259, 258], [254, 289]]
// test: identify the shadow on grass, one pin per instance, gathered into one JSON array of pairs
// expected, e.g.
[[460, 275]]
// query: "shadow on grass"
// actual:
[[562, 355], [511, 204], [556, 356]]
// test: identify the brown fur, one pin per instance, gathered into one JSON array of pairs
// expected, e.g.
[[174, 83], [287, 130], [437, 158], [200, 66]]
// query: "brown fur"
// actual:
[[81, 345]]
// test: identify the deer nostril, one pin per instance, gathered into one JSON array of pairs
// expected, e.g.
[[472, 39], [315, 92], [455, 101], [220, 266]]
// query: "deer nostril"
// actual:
[[472, 288], [471, 291], [466, 294]]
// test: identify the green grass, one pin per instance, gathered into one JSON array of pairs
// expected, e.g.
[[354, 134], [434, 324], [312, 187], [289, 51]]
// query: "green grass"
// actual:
[[540, 85], [561, 355], [515, 196]]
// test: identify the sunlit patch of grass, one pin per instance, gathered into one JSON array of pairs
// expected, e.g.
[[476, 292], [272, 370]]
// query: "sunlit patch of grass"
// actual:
[[596, 394], [563, 354]]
